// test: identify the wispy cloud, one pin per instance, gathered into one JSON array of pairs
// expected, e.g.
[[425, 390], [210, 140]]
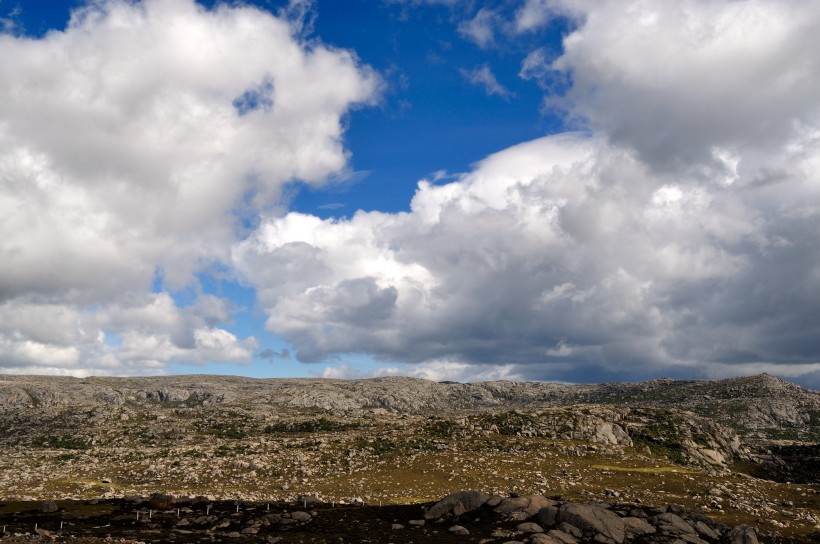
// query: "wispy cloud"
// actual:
[[483, 77], [272, 355], [481, 28]]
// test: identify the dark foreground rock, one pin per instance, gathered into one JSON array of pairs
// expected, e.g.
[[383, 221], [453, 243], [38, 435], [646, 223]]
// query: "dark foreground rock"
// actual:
[[465, 517]]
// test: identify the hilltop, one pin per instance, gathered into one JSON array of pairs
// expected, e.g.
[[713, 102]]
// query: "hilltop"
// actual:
[[761, 407]]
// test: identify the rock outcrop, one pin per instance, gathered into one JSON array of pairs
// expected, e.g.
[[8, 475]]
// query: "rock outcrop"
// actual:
[[563, 522]]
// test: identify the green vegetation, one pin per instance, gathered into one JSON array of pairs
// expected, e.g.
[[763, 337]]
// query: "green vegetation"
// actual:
[[669, 450], [507, 423], [440, 428], [378, 446], [311, 426], [63, 442]]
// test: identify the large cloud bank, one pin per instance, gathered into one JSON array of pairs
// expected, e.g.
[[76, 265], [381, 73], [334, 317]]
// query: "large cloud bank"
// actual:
[[131, 145], [676, 234]]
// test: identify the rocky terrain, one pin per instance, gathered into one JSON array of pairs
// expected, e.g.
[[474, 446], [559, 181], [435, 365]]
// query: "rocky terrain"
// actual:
[[742, 451], [461, 517]]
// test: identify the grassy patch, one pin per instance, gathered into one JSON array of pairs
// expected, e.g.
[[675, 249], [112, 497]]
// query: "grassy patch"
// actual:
[[645, 470]]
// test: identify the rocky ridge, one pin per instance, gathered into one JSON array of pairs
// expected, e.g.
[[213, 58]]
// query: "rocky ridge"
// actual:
[[757, 407]]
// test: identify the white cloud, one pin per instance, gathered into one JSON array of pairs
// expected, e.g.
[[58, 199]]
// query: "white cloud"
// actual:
[[555, 256], [481, 28], [687, 83], [130, 145], [484, 77]]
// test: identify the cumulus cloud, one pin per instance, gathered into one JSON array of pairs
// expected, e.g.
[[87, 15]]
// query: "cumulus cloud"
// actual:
[[131, 144], [690, 84], [562, 254], [483, 77]]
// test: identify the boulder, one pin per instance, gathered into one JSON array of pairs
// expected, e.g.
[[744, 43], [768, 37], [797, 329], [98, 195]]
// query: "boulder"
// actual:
[[537, 502], [529, 527], [161, 501], [512, 504], [570, 529], [458, 530], [457, 503], [529, 506], [547, 516], [673, 524], [308, 500], [541, 538], [638, 526], [704, 530], [301, 516], [562, 536], [593, 519], [49, 507], [743, 534]]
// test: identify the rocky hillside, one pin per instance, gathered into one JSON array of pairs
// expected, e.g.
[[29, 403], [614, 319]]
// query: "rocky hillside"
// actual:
[[757, 408], [738, 450]]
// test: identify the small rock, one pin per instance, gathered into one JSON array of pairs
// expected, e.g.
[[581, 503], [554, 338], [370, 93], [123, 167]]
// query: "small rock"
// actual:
[[301, 516], [529, 527], [49, 507], [308, 500], [458, 530]]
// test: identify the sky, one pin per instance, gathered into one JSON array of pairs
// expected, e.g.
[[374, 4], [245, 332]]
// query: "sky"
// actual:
[[561, 190]]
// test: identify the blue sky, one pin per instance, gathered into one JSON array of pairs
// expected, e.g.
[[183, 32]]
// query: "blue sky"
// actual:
[[564, 190]]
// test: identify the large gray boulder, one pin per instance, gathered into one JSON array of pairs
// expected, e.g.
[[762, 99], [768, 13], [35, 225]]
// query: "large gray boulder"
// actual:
[[593, 519], [457, 503]]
